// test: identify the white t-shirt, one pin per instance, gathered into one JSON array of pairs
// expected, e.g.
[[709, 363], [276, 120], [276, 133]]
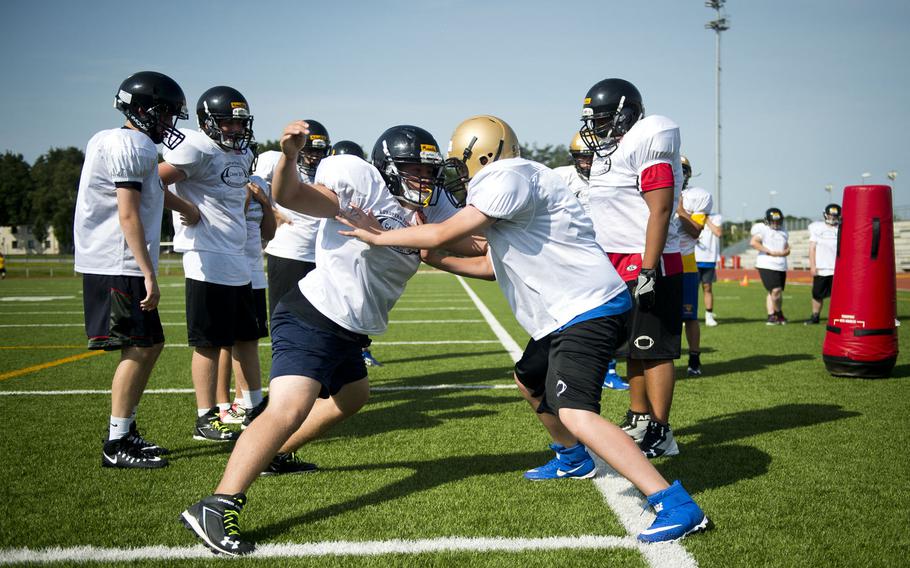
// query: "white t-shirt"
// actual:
[[707, 249], [698, 203], [825, 238], [576, 184], [545, 256], [116, 156], [618, 208], [356, 285], [295, 240], [213, 248], [253, 248], [774, 240]]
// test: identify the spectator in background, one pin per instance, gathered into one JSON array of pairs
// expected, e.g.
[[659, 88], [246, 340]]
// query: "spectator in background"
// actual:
[[822, 254], [707, 253], [771, 240]]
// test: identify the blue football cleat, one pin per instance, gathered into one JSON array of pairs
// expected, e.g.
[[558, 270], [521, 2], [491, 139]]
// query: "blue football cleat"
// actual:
[[612, 380], [569, 463], [677, 516], [370, 360]]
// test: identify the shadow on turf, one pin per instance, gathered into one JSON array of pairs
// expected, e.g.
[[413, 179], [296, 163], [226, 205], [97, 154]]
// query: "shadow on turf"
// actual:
[[711, 461], [412, 410], [753, 363], [459, 377], [425, 475]]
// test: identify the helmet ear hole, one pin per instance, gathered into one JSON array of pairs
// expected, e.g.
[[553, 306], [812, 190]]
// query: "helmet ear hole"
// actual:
[[483, 160]]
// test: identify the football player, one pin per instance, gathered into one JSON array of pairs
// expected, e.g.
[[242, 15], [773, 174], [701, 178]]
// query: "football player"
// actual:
[[636, 178], [117, 230], [576, 177], [346, 147], [692, 213], [707, 253], [771, 240], [291, 253], [211, 169], [576, 316], [260, 228], [320, 326], [822, 254]]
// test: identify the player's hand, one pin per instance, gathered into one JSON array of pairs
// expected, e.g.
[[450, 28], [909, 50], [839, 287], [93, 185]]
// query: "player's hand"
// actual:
[[813, 272], [645, 293], [192, 217], [257, 193], [152, 294], [364, 225], [294, 138]]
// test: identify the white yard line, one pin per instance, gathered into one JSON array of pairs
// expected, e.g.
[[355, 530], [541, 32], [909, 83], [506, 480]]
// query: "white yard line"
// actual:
[[328, 548], [173, 323], [380, 388]]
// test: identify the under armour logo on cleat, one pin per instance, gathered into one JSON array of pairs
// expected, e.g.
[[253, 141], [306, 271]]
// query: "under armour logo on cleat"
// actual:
[[227, 541], [659, 507]]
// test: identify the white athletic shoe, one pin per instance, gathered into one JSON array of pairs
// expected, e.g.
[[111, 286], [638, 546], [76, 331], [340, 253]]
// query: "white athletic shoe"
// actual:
[[709, 320]]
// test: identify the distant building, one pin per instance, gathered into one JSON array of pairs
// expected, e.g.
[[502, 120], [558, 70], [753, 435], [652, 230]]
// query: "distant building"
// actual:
[[20, 240]]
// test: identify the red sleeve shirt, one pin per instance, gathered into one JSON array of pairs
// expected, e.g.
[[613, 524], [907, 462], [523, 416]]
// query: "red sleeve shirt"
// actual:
[[657, 176]]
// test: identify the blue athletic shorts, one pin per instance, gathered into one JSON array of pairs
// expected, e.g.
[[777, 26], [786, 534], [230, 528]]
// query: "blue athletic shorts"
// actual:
[[301, 347]]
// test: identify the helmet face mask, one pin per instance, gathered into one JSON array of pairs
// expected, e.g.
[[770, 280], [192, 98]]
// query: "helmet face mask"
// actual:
[[316, 147], [611, 108], [153, 103], [455, 178], [832, 214], [224, 116], [582, 156], [409, 161]]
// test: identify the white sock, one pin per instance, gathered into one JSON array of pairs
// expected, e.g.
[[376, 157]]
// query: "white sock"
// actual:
[[239, 401], [222, 406], [119, 427], [251, 398], [200, 412]]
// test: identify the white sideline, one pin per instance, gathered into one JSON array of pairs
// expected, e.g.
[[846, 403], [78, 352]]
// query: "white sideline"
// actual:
[[328, 548], [620, 495]]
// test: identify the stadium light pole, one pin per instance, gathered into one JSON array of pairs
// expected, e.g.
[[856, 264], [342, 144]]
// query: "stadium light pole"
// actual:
[[719, 24], [865, 176], [830, 189]]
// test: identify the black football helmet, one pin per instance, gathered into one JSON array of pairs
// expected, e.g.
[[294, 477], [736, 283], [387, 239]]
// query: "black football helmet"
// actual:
[[832, 214], [315, 148], [346, 147], [222, 104], [405, 144], [153, 103], [774, 217], [611, 108]]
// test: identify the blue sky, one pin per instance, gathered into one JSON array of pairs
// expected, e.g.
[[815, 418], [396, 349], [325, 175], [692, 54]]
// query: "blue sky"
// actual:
[[815, 92]]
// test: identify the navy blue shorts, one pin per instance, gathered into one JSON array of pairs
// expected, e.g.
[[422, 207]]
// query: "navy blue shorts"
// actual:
[[300, 348]]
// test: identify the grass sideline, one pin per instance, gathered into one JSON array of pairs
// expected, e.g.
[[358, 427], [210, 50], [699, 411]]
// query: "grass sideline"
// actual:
[[794, 466]]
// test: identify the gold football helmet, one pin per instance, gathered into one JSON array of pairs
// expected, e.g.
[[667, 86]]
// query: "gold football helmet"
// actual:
[[582, 156], [476, 142]]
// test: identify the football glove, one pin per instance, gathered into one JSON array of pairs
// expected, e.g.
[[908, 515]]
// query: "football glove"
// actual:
[[645, 294]]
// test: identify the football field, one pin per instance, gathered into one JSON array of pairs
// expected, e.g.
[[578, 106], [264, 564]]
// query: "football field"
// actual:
[[795, 467]]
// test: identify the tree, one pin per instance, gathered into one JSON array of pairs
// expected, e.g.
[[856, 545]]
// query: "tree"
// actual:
[[56, 178], [549, 155], [16, 189], [268, 145]]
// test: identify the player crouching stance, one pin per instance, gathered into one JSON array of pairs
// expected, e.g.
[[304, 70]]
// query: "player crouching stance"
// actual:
[[320, 326], [576, 318]]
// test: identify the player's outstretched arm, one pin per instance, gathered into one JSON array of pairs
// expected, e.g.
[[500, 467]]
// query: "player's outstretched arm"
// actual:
[[466, 222], [310, 199], [474, 267]]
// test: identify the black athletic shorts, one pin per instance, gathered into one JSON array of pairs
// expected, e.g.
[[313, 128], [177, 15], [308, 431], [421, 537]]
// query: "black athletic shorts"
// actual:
[[113, 319], [567, 367], [821, 287], [284, 275], [772, 279], [217, 315], [262, 312], [707, 274], [655, 335]]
